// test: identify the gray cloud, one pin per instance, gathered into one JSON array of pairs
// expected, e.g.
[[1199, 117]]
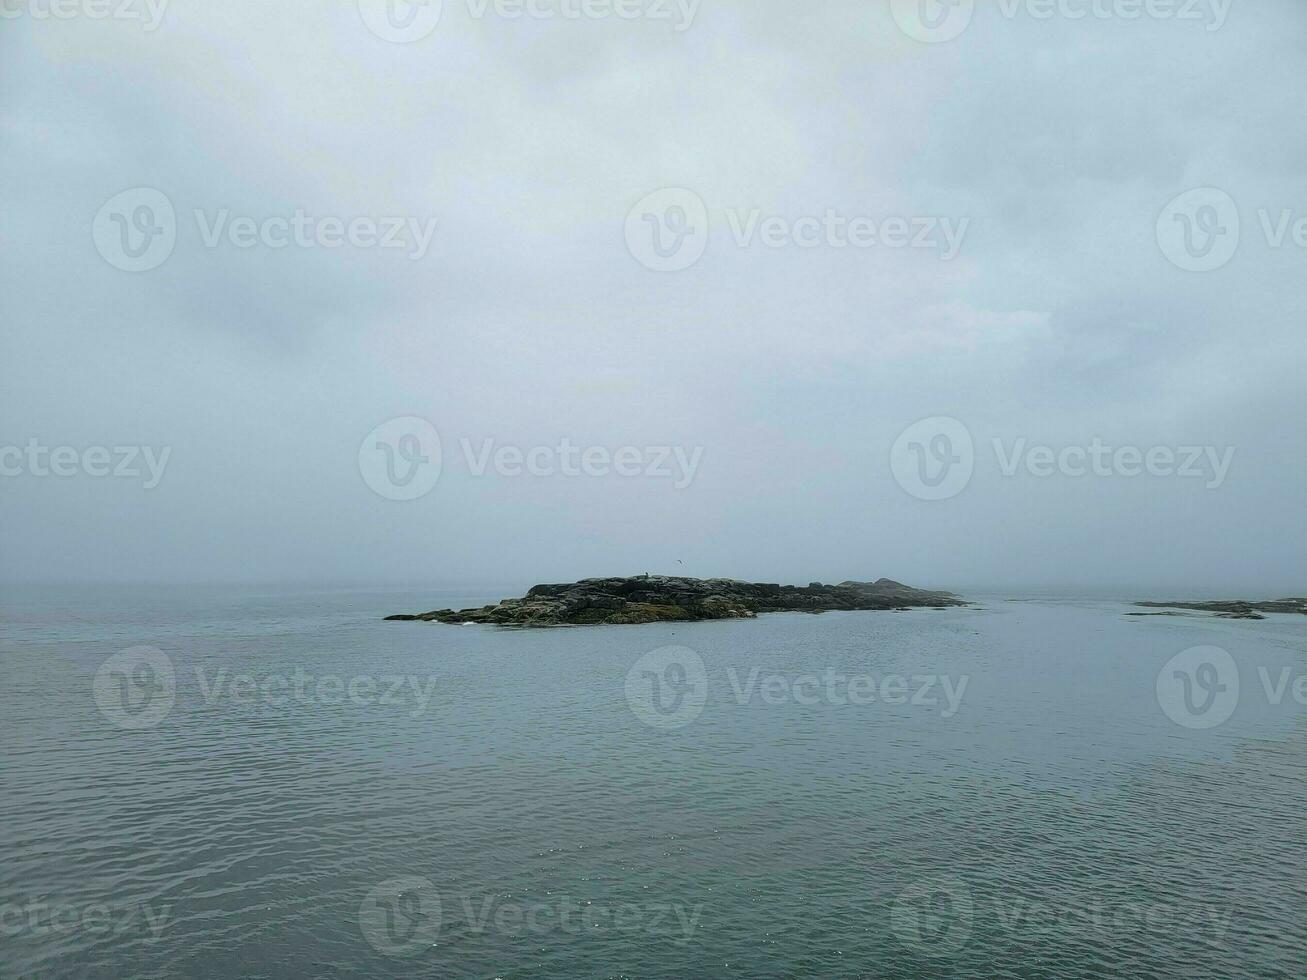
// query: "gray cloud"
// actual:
[[528, 321]]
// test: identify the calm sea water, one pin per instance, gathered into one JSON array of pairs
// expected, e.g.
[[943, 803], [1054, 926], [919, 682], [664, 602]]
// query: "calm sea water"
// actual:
[[285, 786]]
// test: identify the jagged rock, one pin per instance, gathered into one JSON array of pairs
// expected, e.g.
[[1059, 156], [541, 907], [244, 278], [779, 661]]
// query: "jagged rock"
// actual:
[[666, 598], [1234, 609]]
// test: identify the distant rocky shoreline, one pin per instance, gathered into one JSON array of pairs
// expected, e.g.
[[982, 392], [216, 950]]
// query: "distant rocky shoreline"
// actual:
[[1234, 609], [665, 598]]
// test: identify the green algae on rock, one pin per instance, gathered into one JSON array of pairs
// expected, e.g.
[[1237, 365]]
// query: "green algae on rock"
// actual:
[[666, 598]]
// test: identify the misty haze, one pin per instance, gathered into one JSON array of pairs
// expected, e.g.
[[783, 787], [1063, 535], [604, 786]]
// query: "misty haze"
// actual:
[[653, 488]]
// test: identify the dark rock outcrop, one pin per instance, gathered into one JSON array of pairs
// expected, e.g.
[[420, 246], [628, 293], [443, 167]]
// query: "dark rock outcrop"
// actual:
[[665, 598], [1236, 609]]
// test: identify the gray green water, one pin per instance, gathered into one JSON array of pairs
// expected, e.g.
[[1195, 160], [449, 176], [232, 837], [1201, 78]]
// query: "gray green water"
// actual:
[[505, 804]]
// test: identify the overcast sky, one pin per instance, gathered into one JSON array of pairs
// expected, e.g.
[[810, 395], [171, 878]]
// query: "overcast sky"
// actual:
[[254, 364]]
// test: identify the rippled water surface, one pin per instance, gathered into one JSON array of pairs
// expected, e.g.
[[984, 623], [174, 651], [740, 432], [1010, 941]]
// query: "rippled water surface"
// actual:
[[325, 794]]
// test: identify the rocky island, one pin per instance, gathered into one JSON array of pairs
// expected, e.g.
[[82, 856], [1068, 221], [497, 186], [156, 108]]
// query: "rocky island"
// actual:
[[666, 598], [1234, 609]]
